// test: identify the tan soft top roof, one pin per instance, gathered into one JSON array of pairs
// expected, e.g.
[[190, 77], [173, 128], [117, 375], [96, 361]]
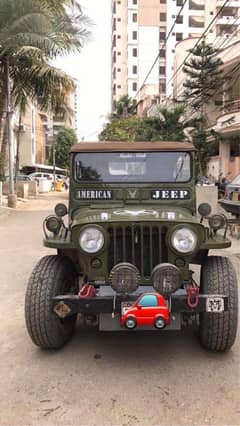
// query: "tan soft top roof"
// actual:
[[131, 146]]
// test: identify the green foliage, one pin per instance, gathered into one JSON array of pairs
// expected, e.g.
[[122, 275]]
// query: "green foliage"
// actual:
[[168, 125], [63, 142], [204, 79], [203, 74], [123, 108], [32, 34]]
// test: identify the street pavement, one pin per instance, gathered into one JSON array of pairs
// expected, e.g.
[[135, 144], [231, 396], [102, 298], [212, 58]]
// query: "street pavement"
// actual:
[[122, 378]]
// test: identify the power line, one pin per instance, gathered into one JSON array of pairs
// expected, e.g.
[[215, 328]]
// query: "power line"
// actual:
[[161, 48], [232, 72], [198, 41], [227, 45], [228, 40]]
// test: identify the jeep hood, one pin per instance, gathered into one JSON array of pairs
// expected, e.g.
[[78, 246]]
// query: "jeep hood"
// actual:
[[132, 214]]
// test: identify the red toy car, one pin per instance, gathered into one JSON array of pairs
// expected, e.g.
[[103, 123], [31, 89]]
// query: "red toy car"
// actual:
[[149, 309]]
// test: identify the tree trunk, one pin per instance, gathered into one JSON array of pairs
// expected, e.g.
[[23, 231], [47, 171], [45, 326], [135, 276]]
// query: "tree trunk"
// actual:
[[4, 145], [3, 122], [18, 144]]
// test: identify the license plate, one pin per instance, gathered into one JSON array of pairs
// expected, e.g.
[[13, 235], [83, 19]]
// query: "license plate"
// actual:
[[215, 304], [125, 306]]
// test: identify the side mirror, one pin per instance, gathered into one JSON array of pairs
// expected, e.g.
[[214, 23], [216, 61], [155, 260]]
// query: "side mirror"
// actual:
[[139, 306]]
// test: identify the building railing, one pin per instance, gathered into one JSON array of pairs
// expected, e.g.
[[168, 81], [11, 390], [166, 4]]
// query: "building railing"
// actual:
[[232, 106]]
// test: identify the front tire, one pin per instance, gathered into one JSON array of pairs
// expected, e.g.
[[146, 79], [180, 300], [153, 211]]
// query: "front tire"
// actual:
[[130, 323], [218, 330], [52, 276]]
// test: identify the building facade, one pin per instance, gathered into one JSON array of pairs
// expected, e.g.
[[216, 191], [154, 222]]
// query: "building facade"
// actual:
[[139, 39]]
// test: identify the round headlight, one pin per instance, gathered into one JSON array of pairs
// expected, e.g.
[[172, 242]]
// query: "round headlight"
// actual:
[[91, 240], [184, 240]]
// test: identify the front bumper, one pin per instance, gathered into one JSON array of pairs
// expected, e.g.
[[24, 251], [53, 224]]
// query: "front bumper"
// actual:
[[108, 302]]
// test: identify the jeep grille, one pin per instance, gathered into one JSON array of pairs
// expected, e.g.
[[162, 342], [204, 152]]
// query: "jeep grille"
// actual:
[[142, 245]]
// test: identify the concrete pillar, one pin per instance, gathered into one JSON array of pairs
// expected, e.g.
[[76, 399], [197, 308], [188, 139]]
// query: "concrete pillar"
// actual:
[[0, 193], [224, 158]]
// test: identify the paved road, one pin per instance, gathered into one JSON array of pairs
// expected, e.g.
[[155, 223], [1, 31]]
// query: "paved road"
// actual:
[[101, 378]]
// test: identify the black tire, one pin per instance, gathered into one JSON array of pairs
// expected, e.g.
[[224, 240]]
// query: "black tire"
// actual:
[[159, 321], [52, 276], [218, 330], [130, 321]]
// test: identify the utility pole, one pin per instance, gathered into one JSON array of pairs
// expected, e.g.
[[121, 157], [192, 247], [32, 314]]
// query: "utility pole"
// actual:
[[54, 163], [12, 198]]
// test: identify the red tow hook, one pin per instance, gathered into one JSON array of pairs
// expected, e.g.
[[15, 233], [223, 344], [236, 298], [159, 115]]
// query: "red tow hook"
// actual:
[[87, 291], [192, 296]]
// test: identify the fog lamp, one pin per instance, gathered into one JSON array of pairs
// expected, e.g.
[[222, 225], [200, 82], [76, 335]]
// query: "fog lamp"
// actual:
[[124, 278], [166, 278], [60, 210], [204, 209], [217, 221], [53, 224]]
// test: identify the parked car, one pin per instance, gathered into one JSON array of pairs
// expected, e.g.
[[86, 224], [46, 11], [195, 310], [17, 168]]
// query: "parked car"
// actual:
[[40, 175], [131, 228], [232, 187]]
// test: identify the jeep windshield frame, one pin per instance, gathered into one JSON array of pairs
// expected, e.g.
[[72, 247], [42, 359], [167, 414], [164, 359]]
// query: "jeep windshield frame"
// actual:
[[132, 167]]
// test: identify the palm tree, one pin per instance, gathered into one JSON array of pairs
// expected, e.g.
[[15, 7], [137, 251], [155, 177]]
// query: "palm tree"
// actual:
[[32, 34], [124, 107]]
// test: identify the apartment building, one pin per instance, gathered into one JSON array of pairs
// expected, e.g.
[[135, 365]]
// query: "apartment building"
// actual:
[[140, 31], [38, 129]]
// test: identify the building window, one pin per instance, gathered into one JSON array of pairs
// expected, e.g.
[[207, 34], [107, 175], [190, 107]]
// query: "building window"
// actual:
[[134, 51], [118, 69], [162, 86], [162, 53], [118, 36], [134, 35], [162, 70], [179, 2], [134, 1], [119, 19], [179, 36], [118, 53], [134, 17], [119, 86], [163, 17], [179, 19], [162, 1], [162, 36], [134, 69], [134, 87], [196, 5], [196, 21]]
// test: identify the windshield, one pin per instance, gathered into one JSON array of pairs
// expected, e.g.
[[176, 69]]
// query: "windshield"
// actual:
[[236, 181], [133, 167]]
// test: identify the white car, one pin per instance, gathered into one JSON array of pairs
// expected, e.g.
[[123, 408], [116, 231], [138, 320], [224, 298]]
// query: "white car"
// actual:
[[41, 175]]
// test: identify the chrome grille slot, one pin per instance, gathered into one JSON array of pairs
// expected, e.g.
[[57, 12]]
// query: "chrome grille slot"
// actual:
[[141, 245]]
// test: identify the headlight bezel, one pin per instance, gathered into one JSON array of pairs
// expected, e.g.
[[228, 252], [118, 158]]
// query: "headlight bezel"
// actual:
[[98, 228], [178, 228]]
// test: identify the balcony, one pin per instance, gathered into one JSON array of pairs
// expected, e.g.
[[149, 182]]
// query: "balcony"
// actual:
[[227, 20], [234, 3], [228, 123]]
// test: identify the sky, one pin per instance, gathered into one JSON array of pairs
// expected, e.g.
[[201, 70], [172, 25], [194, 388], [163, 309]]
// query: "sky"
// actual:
[[92, 70]]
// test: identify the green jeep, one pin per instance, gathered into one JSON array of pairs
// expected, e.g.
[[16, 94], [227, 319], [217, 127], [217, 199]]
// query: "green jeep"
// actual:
[[132, 231]]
